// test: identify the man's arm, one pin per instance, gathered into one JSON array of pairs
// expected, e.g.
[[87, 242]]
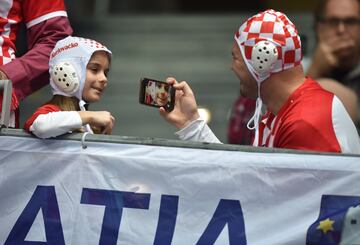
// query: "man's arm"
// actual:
[[30, 72], [185, 115], [199, 131]]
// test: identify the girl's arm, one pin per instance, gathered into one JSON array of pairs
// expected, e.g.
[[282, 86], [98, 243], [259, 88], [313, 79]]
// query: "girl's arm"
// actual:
[[48, 121], [54, 124]]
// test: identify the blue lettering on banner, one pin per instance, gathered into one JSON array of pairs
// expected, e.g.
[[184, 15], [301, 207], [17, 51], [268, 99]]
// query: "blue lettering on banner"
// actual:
[[114, 202], [44, 198], [167, 220], [227, 212]]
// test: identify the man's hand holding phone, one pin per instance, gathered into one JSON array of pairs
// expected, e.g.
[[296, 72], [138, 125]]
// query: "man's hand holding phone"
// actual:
[[185, 109]]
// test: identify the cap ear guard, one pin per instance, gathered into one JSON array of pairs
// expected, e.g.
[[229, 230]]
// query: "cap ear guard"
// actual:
[[264, 55], [65, 78]]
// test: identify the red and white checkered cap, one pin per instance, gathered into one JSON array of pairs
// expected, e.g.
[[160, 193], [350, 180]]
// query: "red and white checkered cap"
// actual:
[[274, 28]]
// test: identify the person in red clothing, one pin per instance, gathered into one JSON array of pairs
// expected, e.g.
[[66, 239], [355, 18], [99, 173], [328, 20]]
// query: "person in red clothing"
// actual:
[[46, 23], [300, 113], [78, 76], [241, 112]]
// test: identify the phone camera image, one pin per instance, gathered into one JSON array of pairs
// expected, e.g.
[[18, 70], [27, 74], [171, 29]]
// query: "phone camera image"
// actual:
[[156, 93]]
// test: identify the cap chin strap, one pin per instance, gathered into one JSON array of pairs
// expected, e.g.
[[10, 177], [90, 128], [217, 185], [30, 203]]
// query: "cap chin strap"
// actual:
[[253, 123], [263, 57], [82, 104]]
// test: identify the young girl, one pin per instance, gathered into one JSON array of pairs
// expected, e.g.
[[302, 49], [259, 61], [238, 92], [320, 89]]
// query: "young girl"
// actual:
[[78, 76]]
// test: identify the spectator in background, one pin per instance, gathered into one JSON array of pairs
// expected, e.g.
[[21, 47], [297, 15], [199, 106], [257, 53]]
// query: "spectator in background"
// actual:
[[46, 23], [240, 114], [300, 114], [337, 54]]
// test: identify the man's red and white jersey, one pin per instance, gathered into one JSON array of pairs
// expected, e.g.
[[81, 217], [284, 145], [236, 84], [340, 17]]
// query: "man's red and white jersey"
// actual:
[[311, 119], [31, 12]]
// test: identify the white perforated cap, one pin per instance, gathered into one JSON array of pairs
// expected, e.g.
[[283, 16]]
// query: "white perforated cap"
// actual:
[[67, 64]]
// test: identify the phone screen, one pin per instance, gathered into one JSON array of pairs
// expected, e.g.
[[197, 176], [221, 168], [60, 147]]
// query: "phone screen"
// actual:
[[157, 94]]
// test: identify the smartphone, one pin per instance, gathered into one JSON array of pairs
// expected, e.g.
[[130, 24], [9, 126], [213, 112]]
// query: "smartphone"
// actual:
[[157, 94]]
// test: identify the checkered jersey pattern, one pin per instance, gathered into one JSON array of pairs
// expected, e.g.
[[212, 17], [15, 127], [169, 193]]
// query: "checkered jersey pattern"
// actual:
[[13, 12], [276, 28]]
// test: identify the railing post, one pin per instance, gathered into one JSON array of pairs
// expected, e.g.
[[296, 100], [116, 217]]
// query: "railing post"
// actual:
[[6, 87]]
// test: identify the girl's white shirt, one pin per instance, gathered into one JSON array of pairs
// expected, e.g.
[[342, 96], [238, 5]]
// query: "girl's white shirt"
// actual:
[[56, 123]]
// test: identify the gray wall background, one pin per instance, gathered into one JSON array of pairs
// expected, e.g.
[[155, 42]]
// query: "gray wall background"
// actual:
[[191, 47]]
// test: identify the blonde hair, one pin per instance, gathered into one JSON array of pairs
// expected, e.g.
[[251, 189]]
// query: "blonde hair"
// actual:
[[65, 103]]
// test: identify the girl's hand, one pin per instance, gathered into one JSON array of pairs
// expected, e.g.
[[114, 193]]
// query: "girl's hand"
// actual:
[[100, 119]]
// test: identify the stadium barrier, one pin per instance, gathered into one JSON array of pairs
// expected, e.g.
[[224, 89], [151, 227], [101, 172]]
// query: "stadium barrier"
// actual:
[[130, 190]]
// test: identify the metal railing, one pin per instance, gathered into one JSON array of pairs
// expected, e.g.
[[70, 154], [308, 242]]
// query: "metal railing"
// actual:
[[6, 87], [118, 139]]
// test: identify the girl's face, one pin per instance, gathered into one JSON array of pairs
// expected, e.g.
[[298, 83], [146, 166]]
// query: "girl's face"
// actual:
[[96, 76]]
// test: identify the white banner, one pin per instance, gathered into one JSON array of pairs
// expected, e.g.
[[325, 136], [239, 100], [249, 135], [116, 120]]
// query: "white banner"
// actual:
[[55, 192]]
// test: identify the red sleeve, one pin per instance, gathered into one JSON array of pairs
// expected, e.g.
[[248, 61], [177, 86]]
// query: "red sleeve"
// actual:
[[30, 72], [45, 109], [33, 9]]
